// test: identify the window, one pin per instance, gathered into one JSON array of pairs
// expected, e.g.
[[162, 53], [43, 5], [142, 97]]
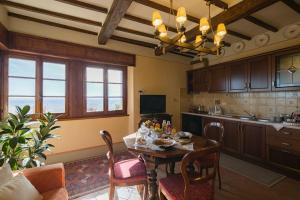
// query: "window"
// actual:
[[54, 87], [94, 90], [25, 76], [104, 88], [21, 83], [68, 88]]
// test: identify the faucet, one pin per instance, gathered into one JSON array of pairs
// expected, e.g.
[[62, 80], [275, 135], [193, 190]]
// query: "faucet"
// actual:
[[252, 116]]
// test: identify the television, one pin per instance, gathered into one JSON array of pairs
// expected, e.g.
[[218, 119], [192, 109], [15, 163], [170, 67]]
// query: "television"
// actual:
[[151, 104]]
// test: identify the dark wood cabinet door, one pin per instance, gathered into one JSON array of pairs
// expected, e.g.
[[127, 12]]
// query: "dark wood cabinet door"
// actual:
[[190, 81], [212, 133], [259, 74], [237, 77], [197, 81], [253, 137], [218, 81], [203, 78], [231, 140]]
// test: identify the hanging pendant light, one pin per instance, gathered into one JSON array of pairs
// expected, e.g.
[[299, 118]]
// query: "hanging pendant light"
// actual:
[[156, 19], [204, 25], [181, 16]]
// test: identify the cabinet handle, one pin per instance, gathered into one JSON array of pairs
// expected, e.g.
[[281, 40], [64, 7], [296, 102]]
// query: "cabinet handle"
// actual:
[[286, 133], [286, 144]]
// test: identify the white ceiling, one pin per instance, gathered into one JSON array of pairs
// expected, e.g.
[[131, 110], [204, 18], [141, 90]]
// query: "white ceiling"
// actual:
[[278, 15]]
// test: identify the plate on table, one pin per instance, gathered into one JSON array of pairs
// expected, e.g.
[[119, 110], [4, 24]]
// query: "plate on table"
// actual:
[[184, 135], [164, 143]]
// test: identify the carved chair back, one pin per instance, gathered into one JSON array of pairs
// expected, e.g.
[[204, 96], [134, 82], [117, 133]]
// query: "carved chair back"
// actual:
[[220, 128], [110, 156]]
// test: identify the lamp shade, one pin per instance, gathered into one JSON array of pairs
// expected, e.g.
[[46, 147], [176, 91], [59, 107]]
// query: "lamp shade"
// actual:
[[156, 19], [221, 30], [181, 16], [204, 25], [198, 39], [162, 30], [182, 39]]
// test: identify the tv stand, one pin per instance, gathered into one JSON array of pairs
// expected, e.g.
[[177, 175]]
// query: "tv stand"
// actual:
[[159, 117]]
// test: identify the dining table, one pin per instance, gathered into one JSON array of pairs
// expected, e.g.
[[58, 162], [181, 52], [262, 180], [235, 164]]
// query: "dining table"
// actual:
[[161, 157]]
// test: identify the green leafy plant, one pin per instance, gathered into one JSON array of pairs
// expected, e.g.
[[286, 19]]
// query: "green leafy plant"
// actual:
[[22, 144]]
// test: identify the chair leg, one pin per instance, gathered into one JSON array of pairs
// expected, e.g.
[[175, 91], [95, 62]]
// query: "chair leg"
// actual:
[[111, 192], [161, 196], [219, 177], [145, 196]]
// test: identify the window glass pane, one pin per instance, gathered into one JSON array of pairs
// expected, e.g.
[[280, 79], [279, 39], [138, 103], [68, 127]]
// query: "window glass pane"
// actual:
[[54, 104], [115, 76], [94, 104], [115, 104], [20, 67], [94, 89], [94, 74], [54, 88], [54, 70], [21, 101], [21, 86], [115, 90]]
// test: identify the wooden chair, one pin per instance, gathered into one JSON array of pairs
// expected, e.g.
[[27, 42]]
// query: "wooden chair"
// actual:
[[191, 185], [208, 163], [125, 172]]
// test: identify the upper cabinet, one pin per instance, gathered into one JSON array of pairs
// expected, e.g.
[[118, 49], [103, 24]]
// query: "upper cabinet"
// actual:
[[259, 74], [218, 79], [275, 71], [286, 70], [237, 76]]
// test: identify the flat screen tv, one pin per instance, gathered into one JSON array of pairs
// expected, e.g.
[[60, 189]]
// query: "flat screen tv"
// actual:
[[150, 104]]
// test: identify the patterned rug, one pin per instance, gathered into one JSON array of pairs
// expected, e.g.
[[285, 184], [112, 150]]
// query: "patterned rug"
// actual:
[[88, 176]]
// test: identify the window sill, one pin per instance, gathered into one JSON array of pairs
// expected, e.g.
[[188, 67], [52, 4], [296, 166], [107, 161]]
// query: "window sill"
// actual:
[[92, 117]]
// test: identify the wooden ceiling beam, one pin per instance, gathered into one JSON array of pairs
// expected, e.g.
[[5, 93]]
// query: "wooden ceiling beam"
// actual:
[[234, 13], [51, 13], [218, 3], [292, 4], [113, 18], [85, 5], [261, 23], [239, 35]]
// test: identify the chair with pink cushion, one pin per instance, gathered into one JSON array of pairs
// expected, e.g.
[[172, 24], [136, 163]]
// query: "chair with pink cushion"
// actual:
[[125, 172], [190, 185]]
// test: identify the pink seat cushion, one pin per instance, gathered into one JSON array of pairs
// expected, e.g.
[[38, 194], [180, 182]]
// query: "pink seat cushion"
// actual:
[[131, 168], [173, 187]]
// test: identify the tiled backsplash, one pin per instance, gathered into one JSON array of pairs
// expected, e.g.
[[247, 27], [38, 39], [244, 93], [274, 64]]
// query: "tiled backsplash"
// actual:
[[262, 104]]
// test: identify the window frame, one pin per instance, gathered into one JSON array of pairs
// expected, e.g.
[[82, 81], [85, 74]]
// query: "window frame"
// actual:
[[38, 81], [105, 111], [75, 67]]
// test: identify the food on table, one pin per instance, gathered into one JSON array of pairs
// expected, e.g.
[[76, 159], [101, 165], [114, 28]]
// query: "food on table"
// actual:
[[141, 141]]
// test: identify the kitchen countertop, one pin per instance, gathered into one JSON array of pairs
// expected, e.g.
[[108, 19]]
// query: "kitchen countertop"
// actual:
[[275, 125]]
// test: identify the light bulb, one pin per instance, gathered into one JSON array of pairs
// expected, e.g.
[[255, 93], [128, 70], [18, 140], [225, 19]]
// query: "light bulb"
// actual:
[[181, 16], [217, 40], [156, 19], [221, 30], [204, 25]]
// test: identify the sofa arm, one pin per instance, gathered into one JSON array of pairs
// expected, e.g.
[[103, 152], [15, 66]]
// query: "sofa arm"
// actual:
[[47, 177]]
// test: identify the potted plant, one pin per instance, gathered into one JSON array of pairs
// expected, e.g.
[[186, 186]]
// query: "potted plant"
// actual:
[[21, 144]]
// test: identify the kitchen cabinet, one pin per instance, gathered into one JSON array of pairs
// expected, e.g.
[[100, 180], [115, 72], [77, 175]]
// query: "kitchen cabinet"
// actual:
[[231, 140], [218, 79], [190, 81], [203, 80], [259, 74], [253, 140], [283, 148], [285, 70], [237, 76]]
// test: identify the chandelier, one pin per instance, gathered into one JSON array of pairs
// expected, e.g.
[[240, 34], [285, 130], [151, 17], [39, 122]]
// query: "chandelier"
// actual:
[[180, 40]]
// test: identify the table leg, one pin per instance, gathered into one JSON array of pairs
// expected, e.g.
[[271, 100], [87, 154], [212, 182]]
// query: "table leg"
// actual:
[[172, 167], [153, 188]]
